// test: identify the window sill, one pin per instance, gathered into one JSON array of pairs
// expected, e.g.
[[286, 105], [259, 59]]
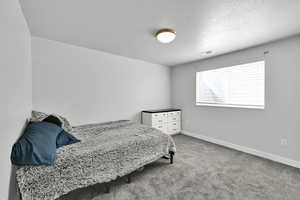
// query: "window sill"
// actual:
[[231, 106]]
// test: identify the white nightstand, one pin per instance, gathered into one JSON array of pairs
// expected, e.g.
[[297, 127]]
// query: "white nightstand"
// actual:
[[166, 120]]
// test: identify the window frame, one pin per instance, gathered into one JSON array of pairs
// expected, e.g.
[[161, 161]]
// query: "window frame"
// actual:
[[259, 107]]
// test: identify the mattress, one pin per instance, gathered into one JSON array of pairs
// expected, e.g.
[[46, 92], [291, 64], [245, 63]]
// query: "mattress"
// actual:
[[106, 151]]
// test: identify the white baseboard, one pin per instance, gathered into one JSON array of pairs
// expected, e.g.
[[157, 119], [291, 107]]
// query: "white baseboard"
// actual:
[[248, 150]]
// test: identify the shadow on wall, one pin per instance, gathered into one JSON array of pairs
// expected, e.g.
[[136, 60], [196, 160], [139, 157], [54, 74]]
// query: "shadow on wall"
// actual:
[[13, 192], [13, 189], [137, 117]]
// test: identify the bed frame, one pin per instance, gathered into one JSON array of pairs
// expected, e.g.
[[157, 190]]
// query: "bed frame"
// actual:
[[128, 177]]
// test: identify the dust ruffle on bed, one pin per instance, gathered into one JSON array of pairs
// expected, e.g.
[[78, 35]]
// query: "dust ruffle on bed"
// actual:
[[106, 151]]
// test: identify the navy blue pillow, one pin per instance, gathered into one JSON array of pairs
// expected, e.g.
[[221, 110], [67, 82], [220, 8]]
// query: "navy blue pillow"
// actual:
[[37, 146], [65, 138], [53, 119]]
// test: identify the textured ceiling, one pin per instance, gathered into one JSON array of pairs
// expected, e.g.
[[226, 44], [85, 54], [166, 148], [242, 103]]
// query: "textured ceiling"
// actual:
[[126, 27]]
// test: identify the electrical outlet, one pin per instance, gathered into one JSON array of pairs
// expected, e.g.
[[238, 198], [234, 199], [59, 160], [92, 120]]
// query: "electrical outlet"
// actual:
[[283, 141]]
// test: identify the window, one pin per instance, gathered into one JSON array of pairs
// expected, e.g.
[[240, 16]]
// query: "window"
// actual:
[[236, 86]]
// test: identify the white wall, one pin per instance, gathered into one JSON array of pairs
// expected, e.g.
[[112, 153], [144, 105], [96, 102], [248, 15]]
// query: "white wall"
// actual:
[[258, 129], [92, 86], [15, 84]]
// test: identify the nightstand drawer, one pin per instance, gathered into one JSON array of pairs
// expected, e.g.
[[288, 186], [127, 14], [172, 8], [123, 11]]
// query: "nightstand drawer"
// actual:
[[173, 116], [173, 129], [158, 118], [160, 126], [174, 125]]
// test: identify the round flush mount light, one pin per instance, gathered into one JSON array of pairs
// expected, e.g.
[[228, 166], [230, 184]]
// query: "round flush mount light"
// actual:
[[165, 35]]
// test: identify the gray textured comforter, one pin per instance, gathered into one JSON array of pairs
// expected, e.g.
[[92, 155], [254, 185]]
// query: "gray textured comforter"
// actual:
[[106, 151]]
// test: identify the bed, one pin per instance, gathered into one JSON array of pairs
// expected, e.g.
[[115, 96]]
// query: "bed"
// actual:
[[106, 151]]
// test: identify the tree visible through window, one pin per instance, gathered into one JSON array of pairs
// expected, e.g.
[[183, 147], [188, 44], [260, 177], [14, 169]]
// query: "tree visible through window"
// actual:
[[235, 86]]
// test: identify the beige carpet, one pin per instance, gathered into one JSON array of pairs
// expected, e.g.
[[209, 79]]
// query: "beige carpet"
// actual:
[[203, 171]]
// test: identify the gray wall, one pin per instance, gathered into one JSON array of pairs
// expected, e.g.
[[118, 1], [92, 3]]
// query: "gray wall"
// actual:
[[92, 86], [258, 129], [15, 85]]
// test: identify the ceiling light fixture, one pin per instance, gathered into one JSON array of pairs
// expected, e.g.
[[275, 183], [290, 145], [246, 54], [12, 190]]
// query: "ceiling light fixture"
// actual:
[[165, 35]]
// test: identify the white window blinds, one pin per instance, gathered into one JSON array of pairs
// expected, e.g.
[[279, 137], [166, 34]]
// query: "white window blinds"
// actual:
[[236, 86]]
